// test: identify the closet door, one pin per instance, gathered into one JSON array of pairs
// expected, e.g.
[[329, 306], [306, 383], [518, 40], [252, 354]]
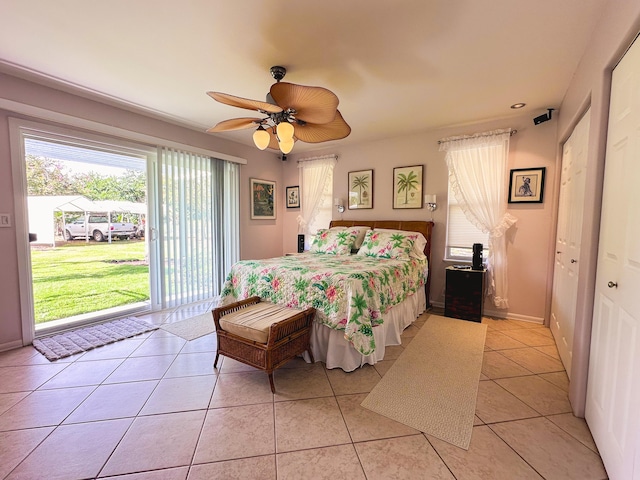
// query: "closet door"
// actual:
[[568, 239], [613, 389]]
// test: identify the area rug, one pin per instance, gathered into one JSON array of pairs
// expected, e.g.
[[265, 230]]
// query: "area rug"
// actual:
[[192, 328], [433, 385], [83, 339]]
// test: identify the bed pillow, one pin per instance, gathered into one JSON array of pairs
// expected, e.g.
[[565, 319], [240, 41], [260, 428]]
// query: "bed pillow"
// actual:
[[362, 231], [395, 245], [333, 242], [418, 244]]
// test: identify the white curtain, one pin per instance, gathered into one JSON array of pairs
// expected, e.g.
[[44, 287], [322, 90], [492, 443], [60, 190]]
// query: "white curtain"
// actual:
[[477, 174], [316, 176]]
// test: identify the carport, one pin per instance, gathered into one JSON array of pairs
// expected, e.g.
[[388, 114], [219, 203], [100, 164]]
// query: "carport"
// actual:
[[43, 208]]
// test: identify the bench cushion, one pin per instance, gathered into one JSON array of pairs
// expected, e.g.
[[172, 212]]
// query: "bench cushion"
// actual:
[[253, 322]]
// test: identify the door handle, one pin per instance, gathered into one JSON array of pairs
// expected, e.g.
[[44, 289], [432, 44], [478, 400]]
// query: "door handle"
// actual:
[[558, 251], [612, 285], [573, 260]]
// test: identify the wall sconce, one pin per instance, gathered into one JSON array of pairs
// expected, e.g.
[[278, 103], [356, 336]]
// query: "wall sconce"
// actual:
[[430, 202], [339, 204]]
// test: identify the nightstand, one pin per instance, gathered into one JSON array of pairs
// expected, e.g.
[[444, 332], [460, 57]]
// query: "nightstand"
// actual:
[[464, 295]]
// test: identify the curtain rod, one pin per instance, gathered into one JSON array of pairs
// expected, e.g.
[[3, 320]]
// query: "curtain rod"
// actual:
[[477, 135], [318, 158]]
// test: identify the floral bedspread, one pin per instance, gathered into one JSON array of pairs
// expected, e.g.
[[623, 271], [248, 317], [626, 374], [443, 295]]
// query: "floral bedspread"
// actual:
[[349, 292]]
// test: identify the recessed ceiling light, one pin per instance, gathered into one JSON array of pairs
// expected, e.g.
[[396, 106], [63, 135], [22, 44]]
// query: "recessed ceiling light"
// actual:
[[515, 106]]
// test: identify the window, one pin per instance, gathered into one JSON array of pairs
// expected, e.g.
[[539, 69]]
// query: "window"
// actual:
[[323, 217], [316, 187], [462, 234], [477, 166]]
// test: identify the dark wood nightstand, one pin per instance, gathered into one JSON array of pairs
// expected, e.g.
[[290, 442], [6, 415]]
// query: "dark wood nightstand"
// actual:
[[464, 295]]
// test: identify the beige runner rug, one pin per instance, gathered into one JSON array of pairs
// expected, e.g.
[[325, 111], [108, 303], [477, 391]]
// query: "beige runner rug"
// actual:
[[433, 385]]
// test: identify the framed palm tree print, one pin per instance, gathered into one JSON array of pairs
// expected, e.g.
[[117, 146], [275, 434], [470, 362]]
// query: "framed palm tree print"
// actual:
[[360, 189], [407, 186]]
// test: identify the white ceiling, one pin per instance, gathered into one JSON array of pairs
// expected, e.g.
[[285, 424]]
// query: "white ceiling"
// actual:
[[397, 66]]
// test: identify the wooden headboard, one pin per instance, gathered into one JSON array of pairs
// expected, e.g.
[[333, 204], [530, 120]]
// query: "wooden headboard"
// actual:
[[408, 225]]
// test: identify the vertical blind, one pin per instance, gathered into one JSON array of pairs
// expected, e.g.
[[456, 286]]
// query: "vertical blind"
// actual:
[[199, 225]]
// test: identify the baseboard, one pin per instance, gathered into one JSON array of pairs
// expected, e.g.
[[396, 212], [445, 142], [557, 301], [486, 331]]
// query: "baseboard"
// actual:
[[10, 345], [513, 316], [501, 314]]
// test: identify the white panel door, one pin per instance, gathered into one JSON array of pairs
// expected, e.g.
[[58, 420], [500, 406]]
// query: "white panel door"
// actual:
[[568, 239], [613, 390]]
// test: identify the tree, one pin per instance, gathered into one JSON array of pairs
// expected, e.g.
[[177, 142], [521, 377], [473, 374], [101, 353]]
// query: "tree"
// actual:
[[129, 187], [46, 176], [134, 186]]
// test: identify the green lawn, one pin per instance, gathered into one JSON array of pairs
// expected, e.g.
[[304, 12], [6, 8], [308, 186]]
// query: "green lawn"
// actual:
[[80, 277]]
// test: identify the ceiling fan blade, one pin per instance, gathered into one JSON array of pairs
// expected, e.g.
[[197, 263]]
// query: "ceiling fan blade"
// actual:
[[244, 102], [312, 104], [235, 124], [314, 133]]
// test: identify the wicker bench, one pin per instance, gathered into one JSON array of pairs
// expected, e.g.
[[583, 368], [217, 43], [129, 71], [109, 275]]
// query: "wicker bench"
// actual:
[[262, 334]]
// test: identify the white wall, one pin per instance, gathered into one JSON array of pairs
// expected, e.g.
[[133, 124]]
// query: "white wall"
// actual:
[[590, 86], [259, 238], [528, 253]]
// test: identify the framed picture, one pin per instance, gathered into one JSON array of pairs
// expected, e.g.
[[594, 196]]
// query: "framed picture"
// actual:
[[407, 186], [293, 197], [263, 199], [360, 189], [526, 185]]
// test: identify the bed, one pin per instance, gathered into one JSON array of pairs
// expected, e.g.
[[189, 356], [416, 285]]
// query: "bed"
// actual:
[[363, 301]]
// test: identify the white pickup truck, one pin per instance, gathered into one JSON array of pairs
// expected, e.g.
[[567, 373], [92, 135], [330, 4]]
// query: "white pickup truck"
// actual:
[[98, 228]]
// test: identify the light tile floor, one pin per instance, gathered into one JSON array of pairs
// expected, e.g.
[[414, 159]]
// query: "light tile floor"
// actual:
[[152, 407]]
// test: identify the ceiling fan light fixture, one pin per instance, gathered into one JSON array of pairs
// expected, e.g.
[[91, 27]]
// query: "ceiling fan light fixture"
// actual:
[[285, 131], [261, 138], [291, 113], [286, 145]]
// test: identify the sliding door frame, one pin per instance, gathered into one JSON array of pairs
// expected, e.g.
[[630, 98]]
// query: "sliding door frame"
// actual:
[[31, 114], [20, 130]]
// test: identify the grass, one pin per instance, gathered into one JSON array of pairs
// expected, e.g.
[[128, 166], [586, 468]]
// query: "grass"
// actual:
[[79, 277]]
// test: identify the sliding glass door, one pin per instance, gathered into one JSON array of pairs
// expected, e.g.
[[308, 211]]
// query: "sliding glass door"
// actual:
[[117, 228], [86, 205]]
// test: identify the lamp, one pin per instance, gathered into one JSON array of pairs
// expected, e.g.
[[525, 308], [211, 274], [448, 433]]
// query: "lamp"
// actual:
[[261, 138], [286, 145], [430, 202], [339, 204], [285, 131]]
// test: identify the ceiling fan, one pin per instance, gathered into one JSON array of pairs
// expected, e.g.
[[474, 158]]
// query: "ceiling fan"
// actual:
[[293, 112]]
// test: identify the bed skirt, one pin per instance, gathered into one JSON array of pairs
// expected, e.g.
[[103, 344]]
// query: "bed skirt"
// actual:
[[330, 347]]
